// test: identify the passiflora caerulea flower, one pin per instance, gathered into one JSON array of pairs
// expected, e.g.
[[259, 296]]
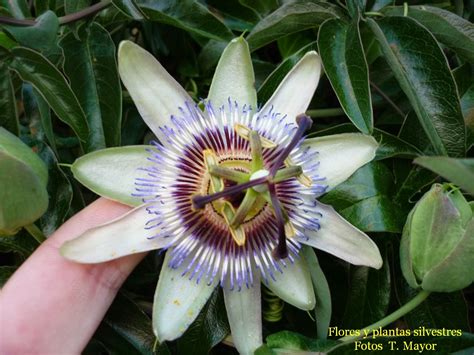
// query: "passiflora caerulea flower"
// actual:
[[229, 192]]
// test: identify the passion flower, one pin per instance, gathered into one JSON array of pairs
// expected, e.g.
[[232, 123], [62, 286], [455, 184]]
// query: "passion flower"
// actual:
[[229, 192]]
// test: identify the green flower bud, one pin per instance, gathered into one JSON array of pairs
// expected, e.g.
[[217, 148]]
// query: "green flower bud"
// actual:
[[23, 181], [437, 246]]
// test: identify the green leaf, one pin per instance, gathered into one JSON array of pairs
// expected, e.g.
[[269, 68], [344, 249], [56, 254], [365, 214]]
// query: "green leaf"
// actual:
[[18, 9], [189, 15], [356, 7], [126, 329], [129, 8], [59, 191], [261, 7], [8, 113], [53, 87], [344, 62], [458, 171], [209, 328], [91, 67], [450, 29], [323, 309], [292, 17], [71, 6], [268, 87], [41, 36], [45, 117], [366, 200], [369, 295], [423, 73]]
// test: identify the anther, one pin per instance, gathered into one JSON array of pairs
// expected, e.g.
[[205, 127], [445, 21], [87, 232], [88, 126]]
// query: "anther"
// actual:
[[244, 132], [238, 233]]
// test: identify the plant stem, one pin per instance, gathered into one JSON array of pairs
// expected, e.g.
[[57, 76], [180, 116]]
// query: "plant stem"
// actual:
[[326, 112], [406, 308], [63, 20], [35, 232], [388, 99]]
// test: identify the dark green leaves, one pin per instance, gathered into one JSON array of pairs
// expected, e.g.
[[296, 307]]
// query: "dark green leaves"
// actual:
[[209, 328], [344, 61], [450, 29], [41, 36], [53, 87], [189, 15], [366, 199], [369, 295], [8, 114], [292, 17], [458, 171], [92, 56], [129, 8], [422, 71]]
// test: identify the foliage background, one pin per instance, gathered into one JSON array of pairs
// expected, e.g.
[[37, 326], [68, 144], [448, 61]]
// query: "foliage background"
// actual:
[[405, 79]]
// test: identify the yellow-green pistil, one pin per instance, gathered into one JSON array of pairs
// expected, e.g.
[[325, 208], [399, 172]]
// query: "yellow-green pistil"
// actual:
[[258, 184]]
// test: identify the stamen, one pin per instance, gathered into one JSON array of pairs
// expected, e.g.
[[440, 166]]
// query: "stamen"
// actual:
[[281, 251], [244, 132], [304, 122], [256, 150], [238, 233], [244, 208], [229, 174], [210, 160], [199, 201], [304, 179]]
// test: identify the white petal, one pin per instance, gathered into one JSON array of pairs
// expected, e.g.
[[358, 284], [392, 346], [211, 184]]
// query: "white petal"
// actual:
[[112, 172], [234, 77], [244, 311], [122, 236], [294, 285], [177, 302], [155, 93], [340, 155], [340, 238], [293, 95]]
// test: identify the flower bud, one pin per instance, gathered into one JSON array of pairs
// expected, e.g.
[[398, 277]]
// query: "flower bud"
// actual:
[[23, 181], [437, 246]]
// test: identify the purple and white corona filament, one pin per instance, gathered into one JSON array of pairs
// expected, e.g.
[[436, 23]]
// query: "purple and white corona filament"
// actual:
[[204, 240]]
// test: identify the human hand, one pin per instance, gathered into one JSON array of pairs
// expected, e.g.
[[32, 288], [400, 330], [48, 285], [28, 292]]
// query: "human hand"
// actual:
[[51, 305]]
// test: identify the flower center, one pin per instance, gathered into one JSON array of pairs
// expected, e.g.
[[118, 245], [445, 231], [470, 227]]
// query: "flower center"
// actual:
[[239, 189]]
